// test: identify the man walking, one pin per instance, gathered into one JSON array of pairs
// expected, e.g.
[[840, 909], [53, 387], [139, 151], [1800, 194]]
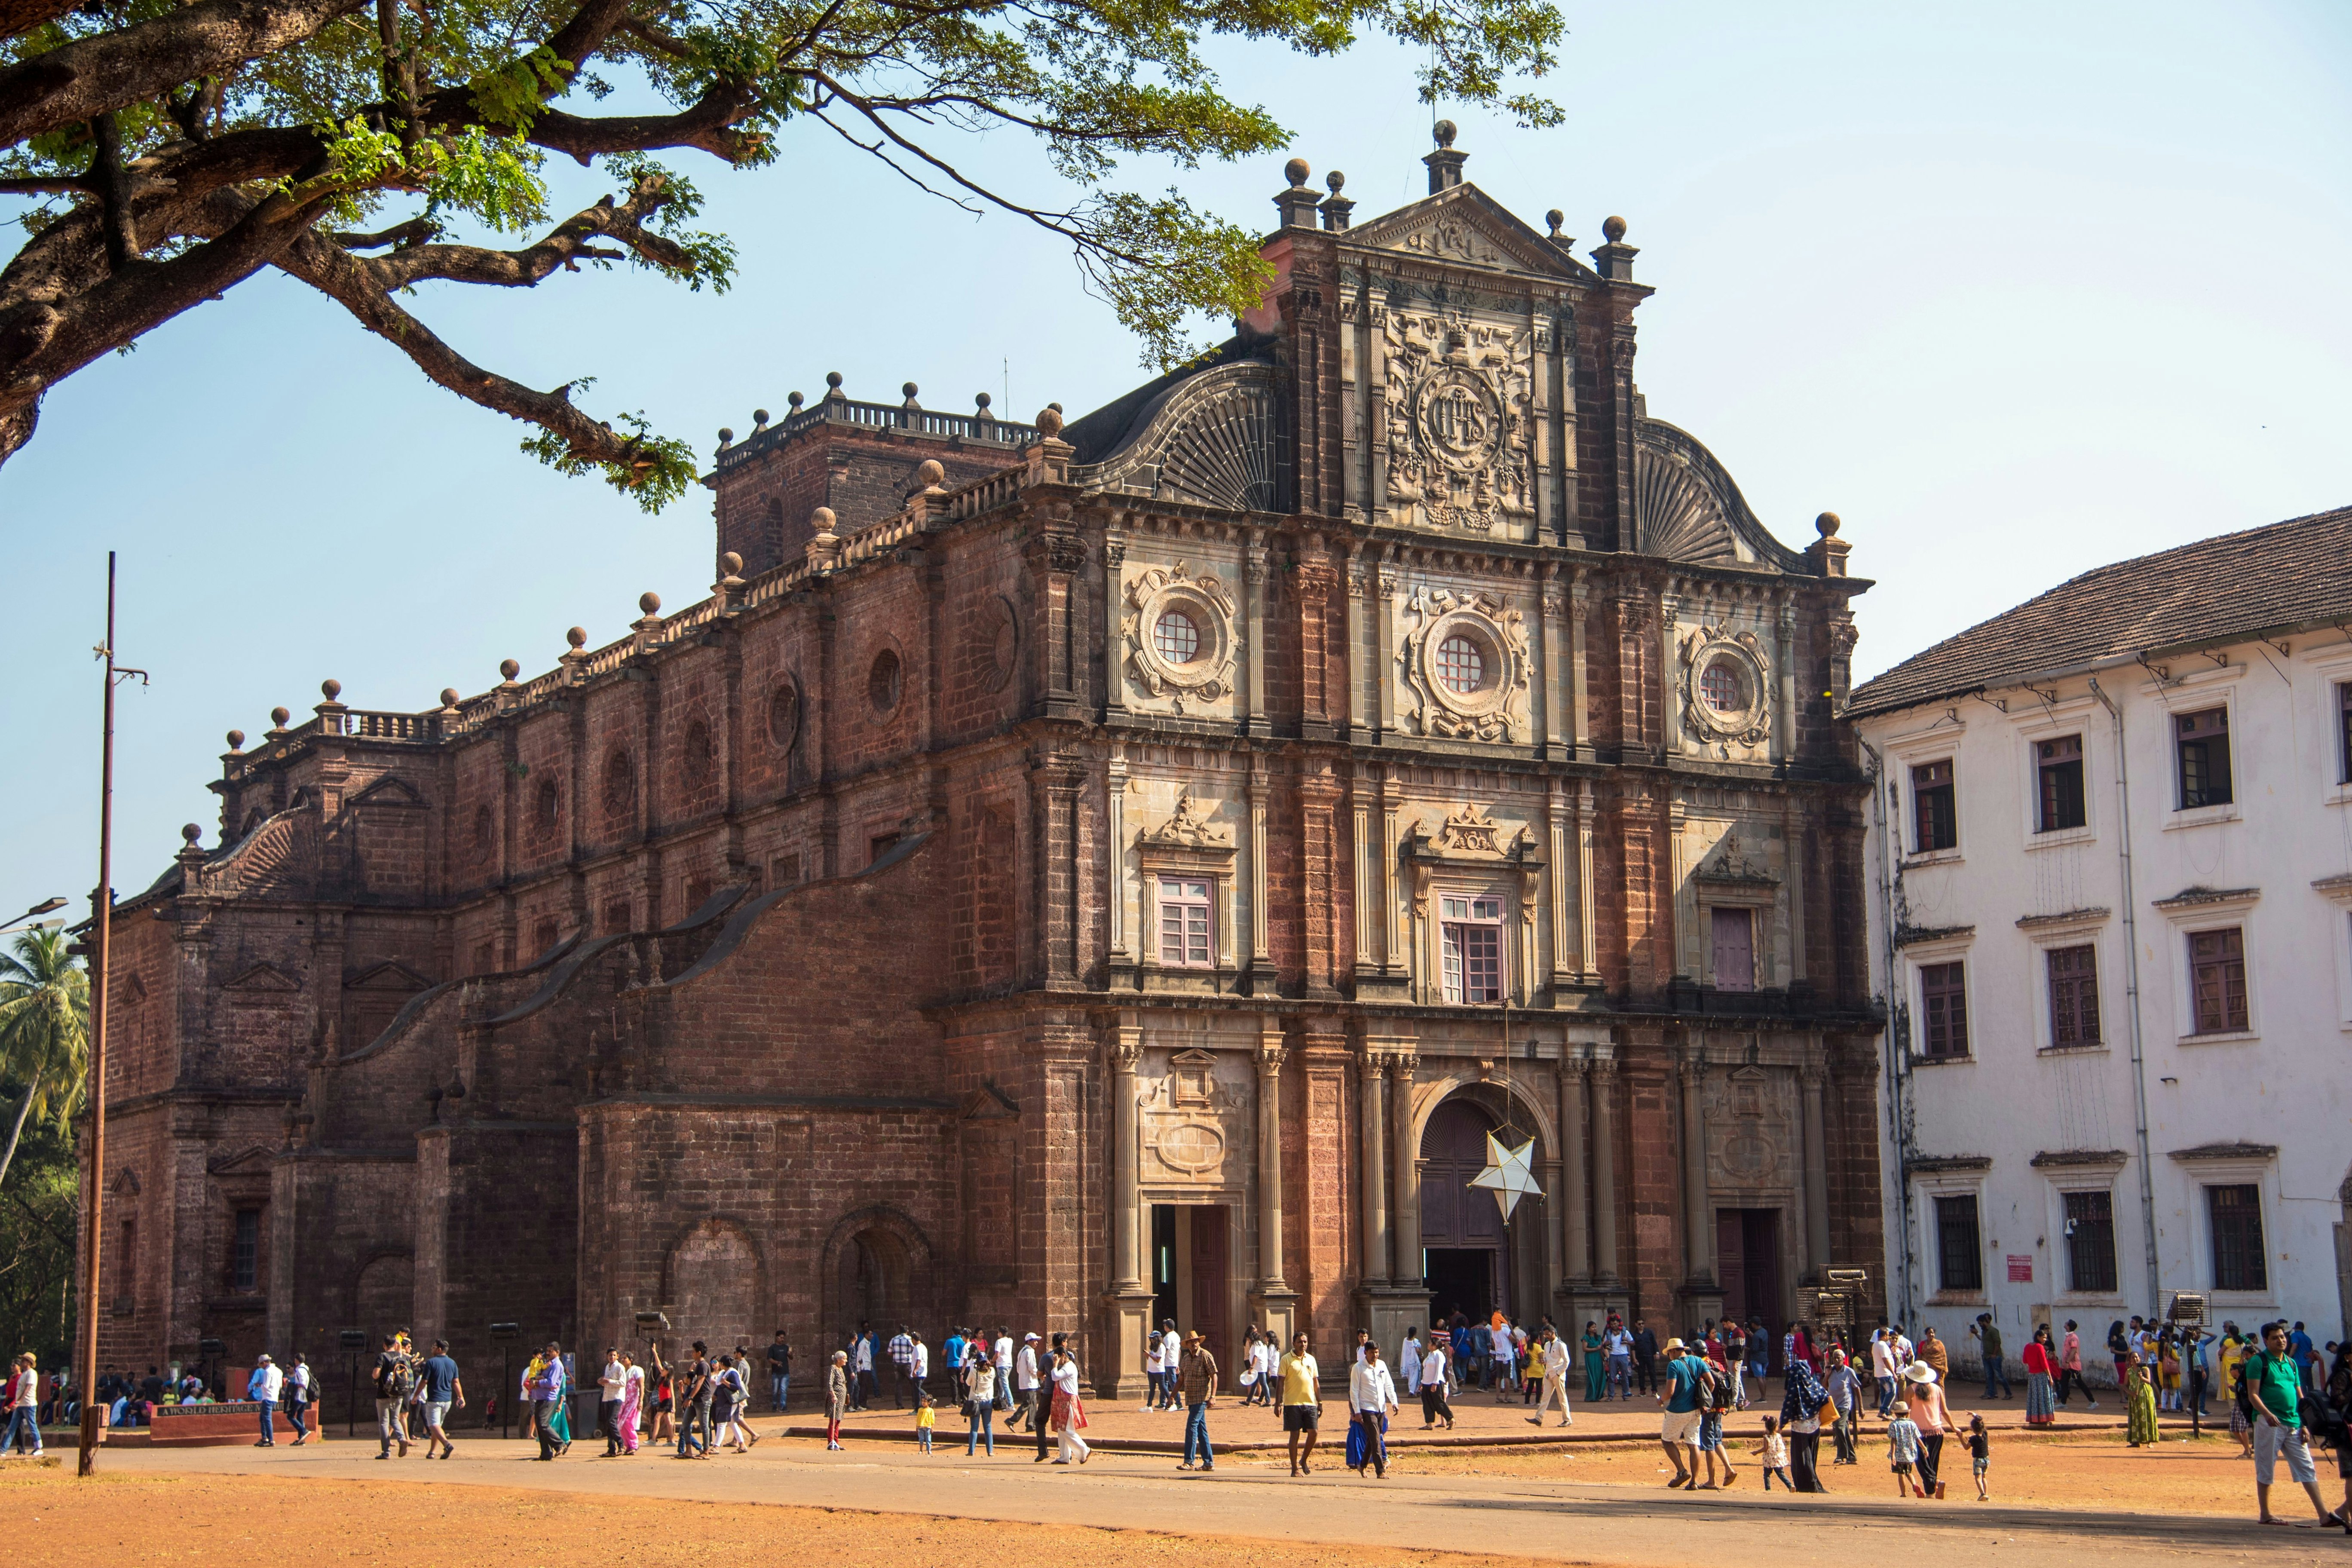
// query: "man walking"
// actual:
[[547, 1393], [396, 1379], [780, 1371], [443, 1388], [1555, 1378], [861, 1366], [1302, 1403], [2070, 1366], [2275, 1390], [298, 1398], [1645, 1356], [263, 1387], [902, 1356], [693, 1398], [611, 1383], [1986, 1333], [1024, 1383], [1678, 1431], [1196, 1387], [1042, 1417]]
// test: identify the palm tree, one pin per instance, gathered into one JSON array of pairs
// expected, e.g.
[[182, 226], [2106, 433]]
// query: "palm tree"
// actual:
[[44, 1030]]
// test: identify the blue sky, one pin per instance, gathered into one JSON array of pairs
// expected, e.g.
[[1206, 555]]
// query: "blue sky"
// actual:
[[2016, 290]]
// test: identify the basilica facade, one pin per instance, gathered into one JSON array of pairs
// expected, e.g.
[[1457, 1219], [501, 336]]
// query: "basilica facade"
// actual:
[[1066, 875]]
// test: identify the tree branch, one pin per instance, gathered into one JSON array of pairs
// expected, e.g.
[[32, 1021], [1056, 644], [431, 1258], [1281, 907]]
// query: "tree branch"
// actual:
[[106, 71], [415, 231], [348, 281], [24, 16], [707, 125], [573, 240], [114, 192]]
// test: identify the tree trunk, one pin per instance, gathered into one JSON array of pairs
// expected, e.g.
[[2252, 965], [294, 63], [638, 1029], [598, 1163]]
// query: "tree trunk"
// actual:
[[23, 1109]]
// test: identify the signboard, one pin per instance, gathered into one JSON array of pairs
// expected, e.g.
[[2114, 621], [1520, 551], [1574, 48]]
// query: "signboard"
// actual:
[[2020, 1269]]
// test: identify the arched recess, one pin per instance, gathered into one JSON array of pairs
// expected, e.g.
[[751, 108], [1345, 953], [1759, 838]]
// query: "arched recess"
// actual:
[[383, 1296], [876, 1267], [1473, 1259], [716, 1285]]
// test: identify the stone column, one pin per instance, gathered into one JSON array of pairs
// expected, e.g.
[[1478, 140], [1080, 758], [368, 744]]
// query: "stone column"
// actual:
[[1254, 637], [1575, 1227], [1817, 1171], [1351, 715], [1604, 1169], [1114, 592], [1578, 729], [1562, 959], [1588, 930], [1373, 1117], [1261, 963], [1125, 1049], [1385, 581], [1269, 1162], [1406, 1172], [1366, 896], [1115, 793], [1698, 1214], [1551, 733]]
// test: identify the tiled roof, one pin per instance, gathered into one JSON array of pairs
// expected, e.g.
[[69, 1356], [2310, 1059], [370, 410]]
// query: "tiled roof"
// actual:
[[2296, 573]]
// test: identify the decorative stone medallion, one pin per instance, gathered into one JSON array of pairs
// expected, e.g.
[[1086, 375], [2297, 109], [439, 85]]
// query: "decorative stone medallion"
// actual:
[[1726, 688], [1179, 629], [1464, 664], [1460, 397]]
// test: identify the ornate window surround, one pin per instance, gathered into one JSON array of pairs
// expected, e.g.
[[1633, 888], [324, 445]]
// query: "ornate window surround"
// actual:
[[1466, 855], [1719, 731], [1726, 880], [1187, 844], [1202, 681]]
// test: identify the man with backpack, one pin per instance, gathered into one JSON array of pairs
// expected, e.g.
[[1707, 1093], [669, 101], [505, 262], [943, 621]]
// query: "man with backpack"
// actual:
[[395, 1380], [1685, 1387]]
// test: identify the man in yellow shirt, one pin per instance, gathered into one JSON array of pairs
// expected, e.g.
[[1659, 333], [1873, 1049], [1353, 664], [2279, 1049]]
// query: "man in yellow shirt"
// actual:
[[1302, 1401]]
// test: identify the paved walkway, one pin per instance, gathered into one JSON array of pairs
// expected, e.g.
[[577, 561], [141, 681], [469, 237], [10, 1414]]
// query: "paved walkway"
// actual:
[[1539, 1519]]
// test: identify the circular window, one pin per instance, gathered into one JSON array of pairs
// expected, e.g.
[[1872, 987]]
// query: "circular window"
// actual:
[[1725, 691], [1461, 665], [882, 681], [783, 716], [1175, 637]]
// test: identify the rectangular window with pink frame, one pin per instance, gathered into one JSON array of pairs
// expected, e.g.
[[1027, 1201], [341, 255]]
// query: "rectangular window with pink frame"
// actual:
[[1184, 926], [1471, 931]]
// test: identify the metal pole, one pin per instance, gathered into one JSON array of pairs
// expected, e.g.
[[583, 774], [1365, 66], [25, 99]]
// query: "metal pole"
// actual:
[[352, 1401], [103, 901], [2131, 1001]]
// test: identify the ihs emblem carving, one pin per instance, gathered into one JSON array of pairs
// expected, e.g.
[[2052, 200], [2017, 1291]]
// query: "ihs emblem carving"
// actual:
[[1460, 399]]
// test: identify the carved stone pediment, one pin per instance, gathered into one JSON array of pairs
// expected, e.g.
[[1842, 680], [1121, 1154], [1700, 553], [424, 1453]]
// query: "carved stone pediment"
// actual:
[[1466, 228], [1189, 827]]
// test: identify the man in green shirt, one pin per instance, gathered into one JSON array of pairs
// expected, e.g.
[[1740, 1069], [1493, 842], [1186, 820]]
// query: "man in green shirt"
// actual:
[[2274, 1386], [1986, 1333], [1678, 1433]]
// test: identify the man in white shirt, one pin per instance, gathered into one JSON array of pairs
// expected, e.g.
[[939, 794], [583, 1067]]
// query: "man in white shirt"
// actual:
[[1024, 1384], [1171, 1358], [1617, 1349], [264, 1387], [1554, 1379], [1155, 1369], [610, 1386], [902, 1356], [1371, 1395], [1001, 1357], [919, 1365], [1431, 1380], [1409, 1360], [1882, 1368]]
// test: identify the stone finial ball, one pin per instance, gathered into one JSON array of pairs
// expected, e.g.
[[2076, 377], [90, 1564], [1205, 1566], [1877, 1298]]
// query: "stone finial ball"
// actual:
[[725, 435], [909, 389], [236, 740], [649, 604], [278, 716], [1443, 132], [1335, 181], [794, 399], [1613, 228], [730, 563], [759, 416], [1049, 421], [577, 637], [1295, 170], [833, 379], [931, 474], [449, 697], [191, 833], [1554, 219], [822, 519], [509, 669], [330, 690], [979, 399], [1827, 523]]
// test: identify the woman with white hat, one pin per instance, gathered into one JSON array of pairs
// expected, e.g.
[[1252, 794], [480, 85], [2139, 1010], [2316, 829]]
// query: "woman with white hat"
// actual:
[[1931, 1415]]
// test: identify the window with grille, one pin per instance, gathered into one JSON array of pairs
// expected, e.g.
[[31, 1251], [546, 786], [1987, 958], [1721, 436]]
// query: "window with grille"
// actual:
[[2236, 1213], [1175, 637], [2204, 742], [2091, 1243], [1720, 684], [1935, 813], [2217, 978], [1960, 1258], [1461, 665], [2074, 995], [1472, 932], [2059, 764], [1944, 1006], [244, 1259], [2344, 731], [1184, 923]]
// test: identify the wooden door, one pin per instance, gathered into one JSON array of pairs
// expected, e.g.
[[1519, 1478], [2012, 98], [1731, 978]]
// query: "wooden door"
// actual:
[[1731, 1262], [1734, 950], [1212, 1251]]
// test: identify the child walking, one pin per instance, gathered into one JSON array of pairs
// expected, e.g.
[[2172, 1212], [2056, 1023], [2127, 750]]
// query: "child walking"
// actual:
[[1980, 1455], [926, 1417], [1903, 1450], [1775, 1451]]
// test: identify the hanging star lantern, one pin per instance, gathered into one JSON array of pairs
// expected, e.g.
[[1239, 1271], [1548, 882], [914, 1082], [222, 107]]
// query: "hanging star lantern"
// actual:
[[1508, 1175]]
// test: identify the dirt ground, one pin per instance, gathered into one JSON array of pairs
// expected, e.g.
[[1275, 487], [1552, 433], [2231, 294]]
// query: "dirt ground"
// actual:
[[202, 1520]]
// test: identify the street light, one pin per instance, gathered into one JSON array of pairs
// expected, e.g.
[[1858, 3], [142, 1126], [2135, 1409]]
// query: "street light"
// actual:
[[34, 913]]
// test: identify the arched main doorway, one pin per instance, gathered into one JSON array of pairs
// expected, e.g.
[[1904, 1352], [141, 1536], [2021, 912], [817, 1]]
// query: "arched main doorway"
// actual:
[[1464, 1247]]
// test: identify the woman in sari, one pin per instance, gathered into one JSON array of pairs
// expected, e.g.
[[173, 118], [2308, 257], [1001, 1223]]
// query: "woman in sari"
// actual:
[[633, 1399], [1069, 1410], [2041, 1377], [2139, 1402], [1595, 1363]]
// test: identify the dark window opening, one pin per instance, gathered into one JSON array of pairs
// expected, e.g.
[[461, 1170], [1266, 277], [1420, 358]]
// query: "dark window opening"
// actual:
[[2344, 731], [1960, 1258], [881, 844], [2091, 1243], [244, 1260], [2074, 996], [2059, 764], [1935, 812], [2204, 741], [1943, 997], [2217, 967], [2237, 1215]]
